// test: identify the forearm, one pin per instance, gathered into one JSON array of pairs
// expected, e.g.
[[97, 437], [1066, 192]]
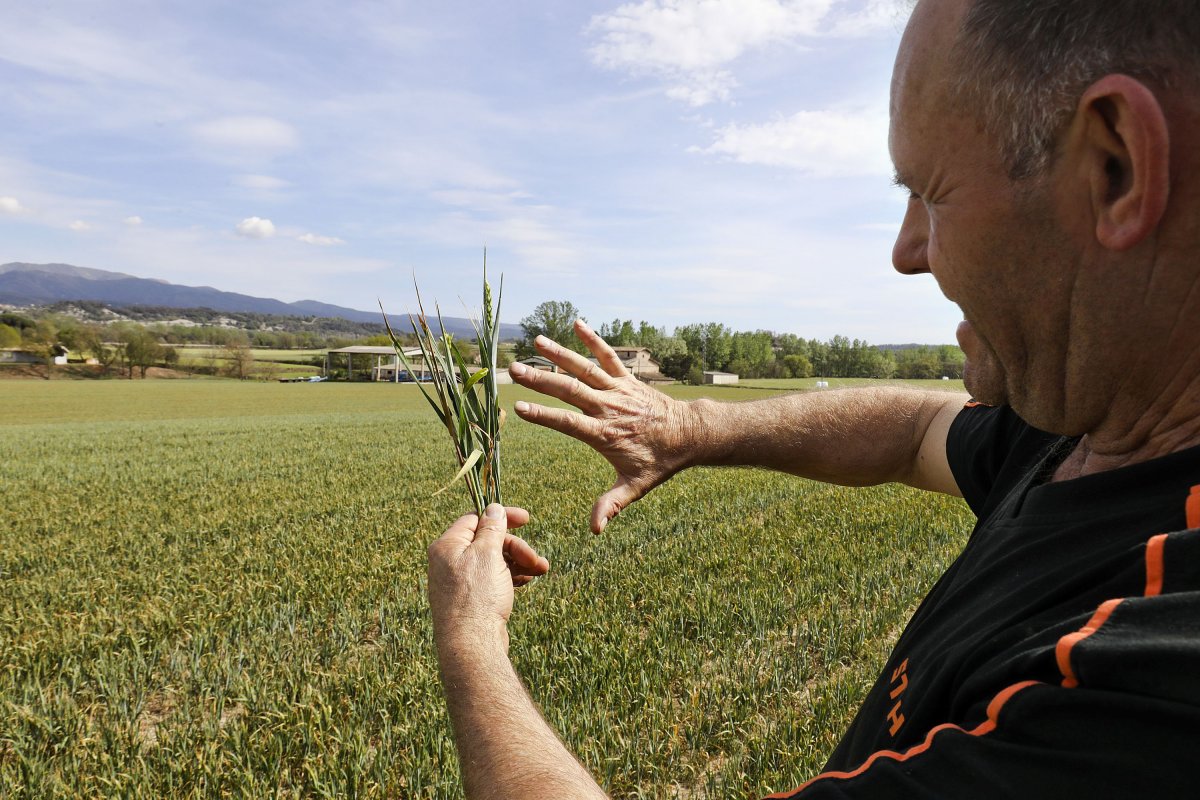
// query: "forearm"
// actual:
[[505, 748], [852, 437]]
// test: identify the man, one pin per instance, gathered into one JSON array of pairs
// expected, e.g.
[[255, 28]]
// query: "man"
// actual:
[[1051, 156]]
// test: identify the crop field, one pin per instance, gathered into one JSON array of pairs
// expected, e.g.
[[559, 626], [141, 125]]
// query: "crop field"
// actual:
[[217, 589]]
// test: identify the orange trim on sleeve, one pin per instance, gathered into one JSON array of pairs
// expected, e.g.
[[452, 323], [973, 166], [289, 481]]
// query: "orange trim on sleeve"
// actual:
[[984, 728], [1193, 508], [1062, 651], [1154, 564]]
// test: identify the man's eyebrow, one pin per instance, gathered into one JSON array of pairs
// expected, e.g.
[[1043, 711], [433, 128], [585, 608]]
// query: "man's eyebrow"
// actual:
[[901, 181]]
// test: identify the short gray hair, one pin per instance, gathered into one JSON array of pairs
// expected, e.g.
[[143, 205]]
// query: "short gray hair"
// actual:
[[1023, 64]]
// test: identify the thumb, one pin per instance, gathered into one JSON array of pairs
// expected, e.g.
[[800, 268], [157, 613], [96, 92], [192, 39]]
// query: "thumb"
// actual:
[[619, 497], [492, 527]]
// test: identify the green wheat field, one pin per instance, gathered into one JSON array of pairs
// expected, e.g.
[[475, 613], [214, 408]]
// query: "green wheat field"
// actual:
[[217, 589]]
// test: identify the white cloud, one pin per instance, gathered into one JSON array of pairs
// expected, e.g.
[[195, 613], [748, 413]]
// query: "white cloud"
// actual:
[[703, 88], [691, 43], [822, 143], [261, 182], [255, 228], [79, 226], [320, 241], [133, 221], [10, 205], [248, 133], [697, 35], [877, 15]]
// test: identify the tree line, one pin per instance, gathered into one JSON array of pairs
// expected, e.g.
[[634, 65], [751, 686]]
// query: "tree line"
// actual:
[[683, 354], [690, 350]]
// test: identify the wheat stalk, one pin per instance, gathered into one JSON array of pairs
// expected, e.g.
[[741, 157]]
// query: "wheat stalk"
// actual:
[[467, 402]]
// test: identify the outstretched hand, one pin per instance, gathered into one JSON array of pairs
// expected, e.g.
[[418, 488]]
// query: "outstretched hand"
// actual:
[[643, 433], [473, 568]]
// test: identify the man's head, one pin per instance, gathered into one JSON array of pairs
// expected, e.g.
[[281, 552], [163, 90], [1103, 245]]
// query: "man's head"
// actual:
[[1022, 65], [1051, 198]]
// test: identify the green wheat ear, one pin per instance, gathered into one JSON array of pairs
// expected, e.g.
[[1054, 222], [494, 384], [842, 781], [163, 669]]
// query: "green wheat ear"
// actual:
[[466, 402]]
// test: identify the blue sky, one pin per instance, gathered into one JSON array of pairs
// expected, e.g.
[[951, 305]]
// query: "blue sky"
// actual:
[[670, 160]]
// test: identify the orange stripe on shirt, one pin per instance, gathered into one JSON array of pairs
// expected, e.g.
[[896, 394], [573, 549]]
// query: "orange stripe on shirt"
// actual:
[[984, 728], [1062, 651], [1193, 508], [1154, 585], [1154, 565]]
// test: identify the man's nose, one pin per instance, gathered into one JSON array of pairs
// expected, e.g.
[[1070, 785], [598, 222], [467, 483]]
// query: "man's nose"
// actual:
[[910, 253]]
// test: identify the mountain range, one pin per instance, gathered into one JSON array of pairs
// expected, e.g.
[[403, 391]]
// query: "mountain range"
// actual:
[[42, 284]]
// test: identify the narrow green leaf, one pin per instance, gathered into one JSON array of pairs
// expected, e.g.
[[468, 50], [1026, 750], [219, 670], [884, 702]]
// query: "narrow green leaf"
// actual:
[[474, 379], [466, 467]]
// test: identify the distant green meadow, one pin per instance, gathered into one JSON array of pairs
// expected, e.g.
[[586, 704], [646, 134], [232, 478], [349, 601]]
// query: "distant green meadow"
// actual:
[[217, 589]]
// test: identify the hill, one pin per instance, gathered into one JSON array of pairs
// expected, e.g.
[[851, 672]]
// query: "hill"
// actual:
[[46, 284]]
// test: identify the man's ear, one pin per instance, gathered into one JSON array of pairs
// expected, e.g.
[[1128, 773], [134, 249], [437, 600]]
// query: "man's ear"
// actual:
[[1127, 160]]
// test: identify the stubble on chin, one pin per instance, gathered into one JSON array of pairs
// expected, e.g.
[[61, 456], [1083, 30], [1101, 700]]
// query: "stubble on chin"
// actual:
[[985, 381]]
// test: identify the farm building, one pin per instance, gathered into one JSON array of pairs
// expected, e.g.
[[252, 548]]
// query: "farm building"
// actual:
[[362, 355], [539, 363], [60, 356], [716, 377], [18, 356], [639, 363]]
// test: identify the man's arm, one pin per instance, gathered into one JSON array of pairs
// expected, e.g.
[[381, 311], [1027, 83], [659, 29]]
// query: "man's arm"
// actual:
[[505, 747], [855, 437]]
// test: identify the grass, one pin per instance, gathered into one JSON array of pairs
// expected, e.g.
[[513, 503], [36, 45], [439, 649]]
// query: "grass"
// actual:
[[217, 589]]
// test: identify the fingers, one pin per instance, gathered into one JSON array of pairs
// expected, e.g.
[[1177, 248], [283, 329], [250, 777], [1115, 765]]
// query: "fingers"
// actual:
[[573, 363], [517, 517], [600, 349], [459, 535], [580, 426], [564, 387], [619, 497], [492, 527], [523, 559]]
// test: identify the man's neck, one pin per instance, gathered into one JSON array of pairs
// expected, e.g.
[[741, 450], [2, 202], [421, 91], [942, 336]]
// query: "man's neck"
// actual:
[[1094, 454]]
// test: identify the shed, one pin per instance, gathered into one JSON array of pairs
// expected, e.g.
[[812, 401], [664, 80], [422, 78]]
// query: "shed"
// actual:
[[717, 377], [16, 355]]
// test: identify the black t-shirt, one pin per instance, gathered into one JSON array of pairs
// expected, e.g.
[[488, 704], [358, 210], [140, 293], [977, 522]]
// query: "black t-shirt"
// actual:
[[1059, 656]]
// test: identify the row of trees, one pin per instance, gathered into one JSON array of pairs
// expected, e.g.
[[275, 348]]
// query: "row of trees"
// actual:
[[692, 349], [684, 354]]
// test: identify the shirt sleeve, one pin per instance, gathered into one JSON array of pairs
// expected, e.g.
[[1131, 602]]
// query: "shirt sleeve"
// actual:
[[990, 449]]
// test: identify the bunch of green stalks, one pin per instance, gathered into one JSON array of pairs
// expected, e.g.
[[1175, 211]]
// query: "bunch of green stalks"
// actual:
[[464, 398]]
